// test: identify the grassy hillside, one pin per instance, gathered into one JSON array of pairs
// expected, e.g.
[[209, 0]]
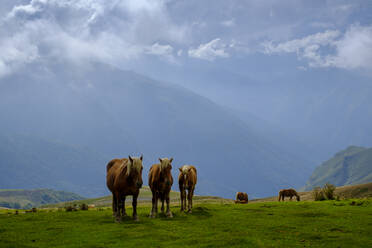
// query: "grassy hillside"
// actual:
[[143, 199], [17, 198], [350, 166], [274, 224], [344, 192]]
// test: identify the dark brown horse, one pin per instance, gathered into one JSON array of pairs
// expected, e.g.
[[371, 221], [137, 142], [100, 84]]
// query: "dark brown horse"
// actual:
[[160, 182], [124, 177], [241, 197], [187, 180], [288, 193]]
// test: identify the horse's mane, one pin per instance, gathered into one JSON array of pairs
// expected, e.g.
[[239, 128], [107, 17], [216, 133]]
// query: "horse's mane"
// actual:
[[135, 165], [163, 165], [186, 169]]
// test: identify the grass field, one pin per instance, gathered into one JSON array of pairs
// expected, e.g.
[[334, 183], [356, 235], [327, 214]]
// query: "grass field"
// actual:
[[346, 223]]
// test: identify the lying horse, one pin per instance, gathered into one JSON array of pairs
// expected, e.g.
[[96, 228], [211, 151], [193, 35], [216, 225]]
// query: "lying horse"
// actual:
[[241, 197], [124, 177], [160, 182], [288, 193], [187, 181]]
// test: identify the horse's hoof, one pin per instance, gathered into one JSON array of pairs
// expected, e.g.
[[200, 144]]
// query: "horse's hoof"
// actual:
[[135, 218], [189, 211], [118, 219], [152, 216], [169, 215]]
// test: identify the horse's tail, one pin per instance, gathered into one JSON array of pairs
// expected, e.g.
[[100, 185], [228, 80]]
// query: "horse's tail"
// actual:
[[109, 165], [280, 195]]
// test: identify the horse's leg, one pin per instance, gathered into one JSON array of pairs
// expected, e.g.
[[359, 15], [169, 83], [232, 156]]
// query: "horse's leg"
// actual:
[[191, 194], [119, 206], [279, 197], [134, 205], [184, 199], [156, 203], [181, 194], [114, 205], [169, 213], [152, 214], [189, 200], [123, 210], [290, 198], [162, 204]]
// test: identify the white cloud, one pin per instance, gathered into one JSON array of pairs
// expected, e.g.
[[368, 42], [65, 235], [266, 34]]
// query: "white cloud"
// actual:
[[157, 49], [228, 23], [351, 50], [209, 51], [108, 31]]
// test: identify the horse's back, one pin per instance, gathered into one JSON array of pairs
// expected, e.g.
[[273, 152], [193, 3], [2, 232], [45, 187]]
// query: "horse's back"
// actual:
[[113, 169], [153, 174]]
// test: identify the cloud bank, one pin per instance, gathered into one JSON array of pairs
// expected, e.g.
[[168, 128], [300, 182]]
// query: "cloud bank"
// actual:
[[123, 32], [349, 50]]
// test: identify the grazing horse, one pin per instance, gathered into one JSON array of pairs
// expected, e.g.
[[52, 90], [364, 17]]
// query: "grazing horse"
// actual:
[[160, 182], [187, 181], [124, 177], [241, 197], [288, 193]]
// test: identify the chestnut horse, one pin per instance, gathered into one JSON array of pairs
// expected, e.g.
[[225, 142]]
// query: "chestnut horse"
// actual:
[[124, 177], [160, 182], [241, 197], [187, 180], [288, 193]]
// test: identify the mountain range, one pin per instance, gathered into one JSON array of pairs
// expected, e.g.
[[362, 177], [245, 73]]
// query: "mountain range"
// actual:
[[350, 166], [85, 115]]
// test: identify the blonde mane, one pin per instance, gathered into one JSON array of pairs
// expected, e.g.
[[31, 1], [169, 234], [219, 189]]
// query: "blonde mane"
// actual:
[[164, 163], [186, 169], [135, 165]]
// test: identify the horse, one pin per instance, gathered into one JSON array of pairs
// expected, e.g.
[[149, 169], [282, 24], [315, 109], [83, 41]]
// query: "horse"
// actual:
[[160, 182], [241, 197], [288, 193], [124, 177], [187, 180]]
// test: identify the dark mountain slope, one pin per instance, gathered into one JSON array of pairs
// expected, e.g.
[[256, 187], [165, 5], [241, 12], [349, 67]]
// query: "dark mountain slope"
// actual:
[[350, 166]]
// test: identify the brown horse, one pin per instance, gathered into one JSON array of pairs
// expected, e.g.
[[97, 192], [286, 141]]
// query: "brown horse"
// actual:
[[241, 197], [124, 177], [160, 182], [288, 193], [187, 181]]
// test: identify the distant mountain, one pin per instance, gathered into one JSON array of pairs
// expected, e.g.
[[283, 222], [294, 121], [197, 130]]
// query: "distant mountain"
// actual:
[[24, 199], [350, 166], [115, 113], [27, 162], [321, 110]]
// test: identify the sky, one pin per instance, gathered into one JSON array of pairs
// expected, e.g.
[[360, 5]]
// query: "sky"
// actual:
[[128, 34]]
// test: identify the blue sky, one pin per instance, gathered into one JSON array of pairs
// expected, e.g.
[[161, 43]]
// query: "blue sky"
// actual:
[[128, 34]]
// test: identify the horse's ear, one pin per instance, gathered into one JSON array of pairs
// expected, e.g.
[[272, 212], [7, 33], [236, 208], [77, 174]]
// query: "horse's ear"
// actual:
[[160, 160], [141, 157], [130, 159], [170, 160], [180, 169]]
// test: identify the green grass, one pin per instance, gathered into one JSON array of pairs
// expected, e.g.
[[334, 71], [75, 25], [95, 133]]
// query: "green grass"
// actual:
[[345, 223]]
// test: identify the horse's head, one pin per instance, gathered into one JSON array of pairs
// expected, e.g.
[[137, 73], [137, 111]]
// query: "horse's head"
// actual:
[[298, 197], [134, 170], [165, 169], [185, 171]]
